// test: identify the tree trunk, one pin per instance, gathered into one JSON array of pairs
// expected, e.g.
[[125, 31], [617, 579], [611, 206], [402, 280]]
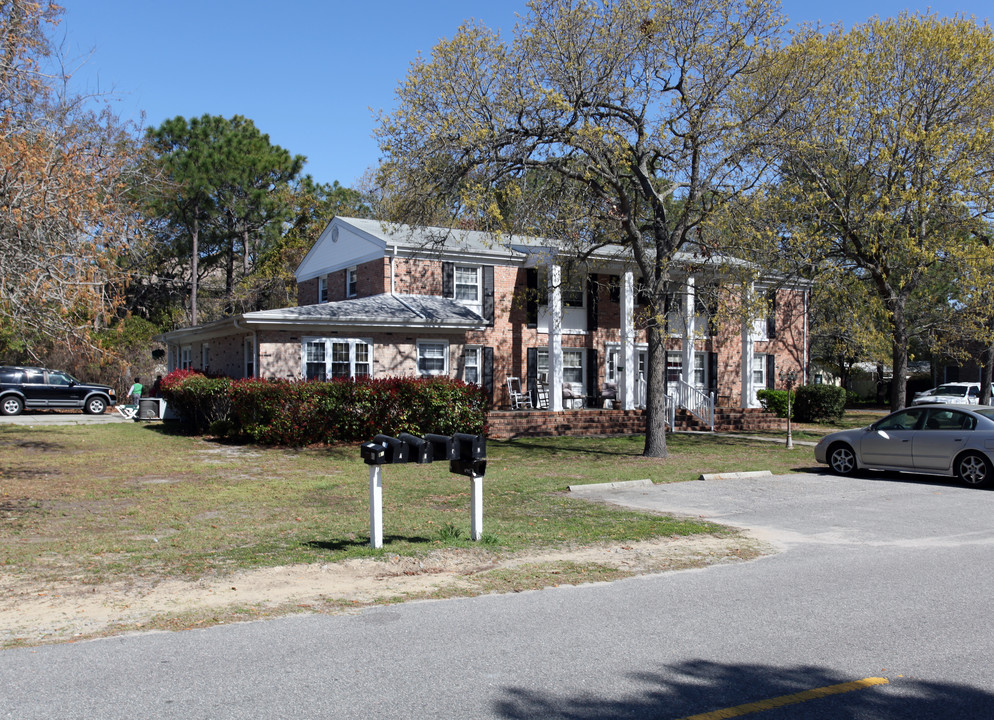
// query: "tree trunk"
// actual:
[[655, 416], [898, 387], [986, 374], [194, 265], [245, 250]]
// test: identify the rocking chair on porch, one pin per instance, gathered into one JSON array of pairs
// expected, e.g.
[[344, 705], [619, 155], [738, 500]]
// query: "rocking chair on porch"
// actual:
[[519, 400]]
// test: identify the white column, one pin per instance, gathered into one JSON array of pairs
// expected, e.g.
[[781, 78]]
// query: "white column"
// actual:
[[748, 352], [375, 506], [555, 339], [476, 508], [689, 332], [627, 365]]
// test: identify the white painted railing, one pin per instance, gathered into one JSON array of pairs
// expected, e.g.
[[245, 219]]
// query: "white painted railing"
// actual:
[[699, 404]]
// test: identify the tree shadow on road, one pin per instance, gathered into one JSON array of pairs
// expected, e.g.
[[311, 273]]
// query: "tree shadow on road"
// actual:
[[700, 686]]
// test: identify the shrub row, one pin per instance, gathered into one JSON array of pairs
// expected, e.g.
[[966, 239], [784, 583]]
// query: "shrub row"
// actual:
[[809, 403], [819, 403], [295, 413], [775, 401]]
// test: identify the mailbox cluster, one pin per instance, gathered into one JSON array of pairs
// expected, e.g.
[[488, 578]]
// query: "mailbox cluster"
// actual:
[[466, 454]]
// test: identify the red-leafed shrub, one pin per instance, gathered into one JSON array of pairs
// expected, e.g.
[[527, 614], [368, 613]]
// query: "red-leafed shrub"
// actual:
[[294, 413]]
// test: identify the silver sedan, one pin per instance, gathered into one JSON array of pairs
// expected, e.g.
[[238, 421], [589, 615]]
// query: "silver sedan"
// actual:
[[934, 439]]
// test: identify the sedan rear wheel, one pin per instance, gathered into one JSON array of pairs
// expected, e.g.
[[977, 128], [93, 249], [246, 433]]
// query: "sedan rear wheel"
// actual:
[[11, 405], [841, 459], [974, 469]]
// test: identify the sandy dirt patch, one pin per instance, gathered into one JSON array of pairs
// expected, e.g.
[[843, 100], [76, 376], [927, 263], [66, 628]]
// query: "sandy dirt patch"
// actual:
[[33, 614]]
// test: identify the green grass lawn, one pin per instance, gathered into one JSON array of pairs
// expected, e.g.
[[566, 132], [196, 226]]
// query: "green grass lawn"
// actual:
[[106, 502]]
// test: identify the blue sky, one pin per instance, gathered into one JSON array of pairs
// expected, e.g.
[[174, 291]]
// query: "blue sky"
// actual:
[[311, 74]]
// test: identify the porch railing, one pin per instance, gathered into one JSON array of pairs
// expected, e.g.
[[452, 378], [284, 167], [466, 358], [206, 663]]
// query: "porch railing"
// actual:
[[699, 404]]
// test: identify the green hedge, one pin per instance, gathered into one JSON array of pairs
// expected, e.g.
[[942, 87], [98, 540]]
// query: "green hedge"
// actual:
[[202, 402], [819, 403], [294, 413], [775, 401]]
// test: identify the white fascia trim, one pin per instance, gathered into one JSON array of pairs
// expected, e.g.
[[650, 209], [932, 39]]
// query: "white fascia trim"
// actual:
[[360, 323], [351, 262], [464, 257]]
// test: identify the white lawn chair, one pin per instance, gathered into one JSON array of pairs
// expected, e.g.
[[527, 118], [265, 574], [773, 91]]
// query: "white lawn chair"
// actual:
[[128, 412], [519, 400]]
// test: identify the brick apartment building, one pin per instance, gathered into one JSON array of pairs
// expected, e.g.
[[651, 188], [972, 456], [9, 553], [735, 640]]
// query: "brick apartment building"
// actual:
[[387, 300]]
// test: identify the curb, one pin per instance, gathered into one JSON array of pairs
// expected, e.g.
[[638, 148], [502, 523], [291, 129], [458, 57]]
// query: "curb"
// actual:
[[646, 482], [736, 475]]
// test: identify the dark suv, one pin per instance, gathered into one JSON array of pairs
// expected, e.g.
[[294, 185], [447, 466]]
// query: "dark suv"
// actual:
[[34, 387]]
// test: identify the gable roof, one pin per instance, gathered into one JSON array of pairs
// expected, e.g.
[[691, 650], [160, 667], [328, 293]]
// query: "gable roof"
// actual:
[[347, 242]]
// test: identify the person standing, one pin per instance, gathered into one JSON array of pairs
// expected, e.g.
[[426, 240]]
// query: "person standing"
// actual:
[[135, 393]]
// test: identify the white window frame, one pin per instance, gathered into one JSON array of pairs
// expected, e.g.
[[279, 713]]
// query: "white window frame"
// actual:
[[205, 356], [674, 366], [759, 378], [422, 346], [323, 289], [475, 352], [476, 284], [186, 357], [352, 282], [542, 364], [328, 344]]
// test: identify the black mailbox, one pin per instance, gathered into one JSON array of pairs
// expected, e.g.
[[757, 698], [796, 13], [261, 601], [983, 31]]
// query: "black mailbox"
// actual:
[[373, 453], [396, 450], [418, 450], [469, 468], [442, 447], [470, 447]]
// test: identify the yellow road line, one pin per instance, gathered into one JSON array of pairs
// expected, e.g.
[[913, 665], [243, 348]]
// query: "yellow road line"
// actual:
[[760, 706]]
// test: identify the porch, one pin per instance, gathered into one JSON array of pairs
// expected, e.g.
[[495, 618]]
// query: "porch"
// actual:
[[510, 424]]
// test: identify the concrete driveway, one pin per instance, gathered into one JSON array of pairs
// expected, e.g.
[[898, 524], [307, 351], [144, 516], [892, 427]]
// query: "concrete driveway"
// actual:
[[37, 418]]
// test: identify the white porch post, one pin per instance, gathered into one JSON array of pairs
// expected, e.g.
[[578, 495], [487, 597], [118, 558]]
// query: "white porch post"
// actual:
[[689, 332], [555, 339], [748, 353], [629, 376]]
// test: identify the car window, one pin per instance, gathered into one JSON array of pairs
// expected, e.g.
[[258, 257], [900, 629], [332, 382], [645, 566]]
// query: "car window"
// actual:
[[34, 377], [10, 376], [903, 420], [974, 392], [59, 378], [949, 420]]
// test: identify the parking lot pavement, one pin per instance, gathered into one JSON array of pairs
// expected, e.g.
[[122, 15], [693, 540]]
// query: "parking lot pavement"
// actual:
[[39, 418]]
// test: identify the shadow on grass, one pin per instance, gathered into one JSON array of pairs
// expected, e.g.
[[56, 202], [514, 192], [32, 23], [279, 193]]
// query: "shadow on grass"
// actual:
[[703, 687], [338, 546]]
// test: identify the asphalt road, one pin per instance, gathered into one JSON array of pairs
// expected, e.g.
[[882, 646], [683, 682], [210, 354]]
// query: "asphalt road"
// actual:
[[878, 578]]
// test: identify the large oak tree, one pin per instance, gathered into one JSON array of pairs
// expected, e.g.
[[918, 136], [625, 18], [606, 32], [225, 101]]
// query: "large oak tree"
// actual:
[[886, 170], [625, 114]]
